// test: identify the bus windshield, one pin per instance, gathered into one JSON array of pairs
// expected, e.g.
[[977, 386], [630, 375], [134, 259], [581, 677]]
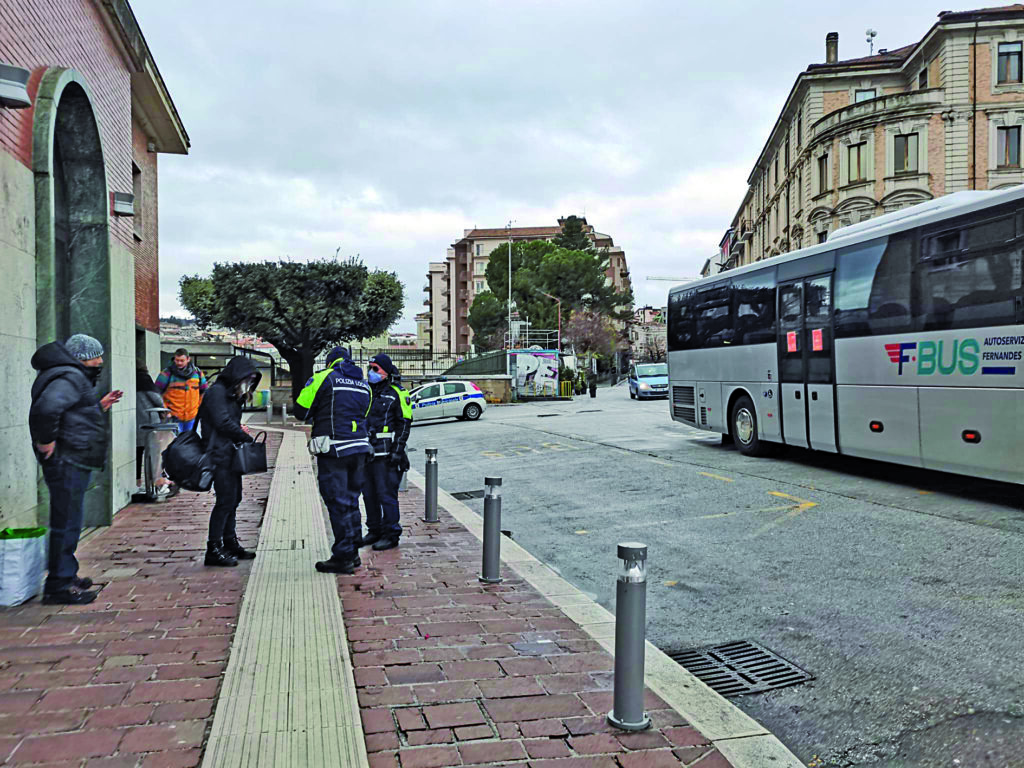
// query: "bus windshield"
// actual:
[[652, 371]]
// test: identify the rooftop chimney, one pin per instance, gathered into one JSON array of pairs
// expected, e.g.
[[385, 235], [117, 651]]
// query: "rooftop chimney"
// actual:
[[832, 48]]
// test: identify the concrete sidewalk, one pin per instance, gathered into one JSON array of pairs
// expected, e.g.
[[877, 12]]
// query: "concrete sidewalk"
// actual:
[[417, 665], [132, 679]]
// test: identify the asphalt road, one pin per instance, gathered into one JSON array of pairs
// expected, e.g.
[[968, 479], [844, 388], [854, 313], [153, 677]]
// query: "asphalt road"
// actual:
[[898, 589]]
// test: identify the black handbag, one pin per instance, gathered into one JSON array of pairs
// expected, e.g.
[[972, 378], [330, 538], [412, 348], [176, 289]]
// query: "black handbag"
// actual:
[[251, 458]]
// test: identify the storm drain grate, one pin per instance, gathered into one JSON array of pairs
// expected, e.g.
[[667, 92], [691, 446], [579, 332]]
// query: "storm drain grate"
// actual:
[[466, 495], [739, 668]]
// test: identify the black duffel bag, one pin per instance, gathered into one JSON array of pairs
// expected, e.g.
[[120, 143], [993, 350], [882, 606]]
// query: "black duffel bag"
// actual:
[[251, 458], [188, 462]]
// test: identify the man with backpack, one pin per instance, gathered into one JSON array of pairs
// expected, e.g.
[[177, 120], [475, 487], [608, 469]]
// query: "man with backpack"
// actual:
[[338, 401], [182, 385], [389, 424]]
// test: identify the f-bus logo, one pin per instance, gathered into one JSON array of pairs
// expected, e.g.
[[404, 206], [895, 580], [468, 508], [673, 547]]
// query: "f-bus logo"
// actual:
[[898, 353]]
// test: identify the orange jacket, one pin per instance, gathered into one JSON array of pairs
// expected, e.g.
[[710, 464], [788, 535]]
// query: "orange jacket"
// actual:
[[182, 393]]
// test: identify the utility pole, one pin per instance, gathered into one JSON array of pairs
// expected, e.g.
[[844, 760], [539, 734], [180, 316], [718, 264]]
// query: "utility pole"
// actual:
[[510, 283]]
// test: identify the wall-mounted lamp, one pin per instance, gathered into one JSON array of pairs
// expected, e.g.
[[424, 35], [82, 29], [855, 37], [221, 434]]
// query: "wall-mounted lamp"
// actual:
[[123, 204], [13, 90]]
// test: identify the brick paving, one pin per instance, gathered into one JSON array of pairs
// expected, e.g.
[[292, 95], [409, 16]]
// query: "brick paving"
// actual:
[[452, 672], [130, 680]]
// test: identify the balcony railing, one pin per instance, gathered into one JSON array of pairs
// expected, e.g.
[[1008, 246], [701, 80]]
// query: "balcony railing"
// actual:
[[875, 109]]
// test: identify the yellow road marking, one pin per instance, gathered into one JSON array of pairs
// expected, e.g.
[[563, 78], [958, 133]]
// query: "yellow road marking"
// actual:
[[716, 477], [661, 462], [802, 505], [582, 532], [670, 583]]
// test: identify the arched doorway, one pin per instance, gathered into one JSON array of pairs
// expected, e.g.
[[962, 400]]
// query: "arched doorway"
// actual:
[[72, 235]]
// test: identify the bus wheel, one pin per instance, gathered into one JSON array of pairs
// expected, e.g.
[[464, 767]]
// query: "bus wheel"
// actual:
[[743, 427]]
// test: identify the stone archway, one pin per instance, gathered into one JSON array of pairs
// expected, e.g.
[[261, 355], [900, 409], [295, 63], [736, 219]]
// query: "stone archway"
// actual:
[[72, 233]]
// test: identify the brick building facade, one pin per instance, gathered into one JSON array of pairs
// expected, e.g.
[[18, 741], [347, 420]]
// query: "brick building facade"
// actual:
[[453, 284], [95, 116], [861, 137]]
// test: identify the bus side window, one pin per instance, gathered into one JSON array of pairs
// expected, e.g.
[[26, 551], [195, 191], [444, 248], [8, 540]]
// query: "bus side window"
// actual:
[[754, 308], [977, 283], [873, 287]]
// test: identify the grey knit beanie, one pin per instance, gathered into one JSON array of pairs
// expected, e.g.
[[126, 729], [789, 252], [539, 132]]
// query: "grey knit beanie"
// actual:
[[84, 347]]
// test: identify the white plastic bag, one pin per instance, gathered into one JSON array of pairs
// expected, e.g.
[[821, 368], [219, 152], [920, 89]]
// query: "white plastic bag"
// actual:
[[22, 564]]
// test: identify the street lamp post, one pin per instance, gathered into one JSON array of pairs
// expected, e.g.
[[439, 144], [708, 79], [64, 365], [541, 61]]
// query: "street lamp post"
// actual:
[[510, 283], [559, 310]]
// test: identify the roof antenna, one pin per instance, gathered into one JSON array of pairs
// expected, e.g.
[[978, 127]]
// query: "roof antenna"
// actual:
[[871, 34]]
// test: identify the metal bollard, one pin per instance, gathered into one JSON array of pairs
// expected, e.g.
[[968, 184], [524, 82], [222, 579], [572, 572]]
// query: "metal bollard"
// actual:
[[430, 505], [490, 568], [630, 635], [270, 412]]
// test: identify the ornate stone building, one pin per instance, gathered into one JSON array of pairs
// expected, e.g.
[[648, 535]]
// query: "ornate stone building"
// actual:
[[863, 137]]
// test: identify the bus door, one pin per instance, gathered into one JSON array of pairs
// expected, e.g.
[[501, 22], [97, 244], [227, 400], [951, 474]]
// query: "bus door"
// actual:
[[806, 363]]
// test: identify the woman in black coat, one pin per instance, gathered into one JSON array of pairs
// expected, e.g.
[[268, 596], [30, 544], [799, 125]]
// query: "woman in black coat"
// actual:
[[220, 422]]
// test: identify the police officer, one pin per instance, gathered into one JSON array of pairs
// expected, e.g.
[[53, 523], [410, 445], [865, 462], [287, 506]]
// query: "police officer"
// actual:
[[388, 424], [338, 401]]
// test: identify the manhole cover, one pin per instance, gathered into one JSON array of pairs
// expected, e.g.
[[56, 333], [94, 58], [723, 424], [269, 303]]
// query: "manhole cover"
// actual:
[[738, 668], [466, 495]]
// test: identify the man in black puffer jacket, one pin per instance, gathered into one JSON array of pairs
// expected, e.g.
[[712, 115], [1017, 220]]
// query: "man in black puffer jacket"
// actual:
[[220, 421], [68, 424]]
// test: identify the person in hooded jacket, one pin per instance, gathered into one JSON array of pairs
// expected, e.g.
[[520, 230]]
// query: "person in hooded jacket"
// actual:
[[68, 425], [389, 423], [338, 401], [220, 422]]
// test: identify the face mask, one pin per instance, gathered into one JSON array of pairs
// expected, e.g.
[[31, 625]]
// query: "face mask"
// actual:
[[375, 378], [93, 372]]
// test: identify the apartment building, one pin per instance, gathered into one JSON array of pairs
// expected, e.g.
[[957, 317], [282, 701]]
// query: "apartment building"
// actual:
[[453, 284], [860, 137]]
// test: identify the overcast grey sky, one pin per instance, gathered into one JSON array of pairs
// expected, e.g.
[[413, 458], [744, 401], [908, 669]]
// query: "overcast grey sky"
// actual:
[[386, 128]]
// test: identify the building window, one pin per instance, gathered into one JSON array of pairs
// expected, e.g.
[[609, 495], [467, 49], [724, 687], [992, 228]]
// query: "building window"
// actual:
[[1009, 147], [863, 94], [799, 188], [787, 154], [799, 129], [822, 237], [1009, 63], [823, 185], [479, 267], [479, 285], [776, 170], [922, 79], [857, 158], [478, 249], [905, 153]]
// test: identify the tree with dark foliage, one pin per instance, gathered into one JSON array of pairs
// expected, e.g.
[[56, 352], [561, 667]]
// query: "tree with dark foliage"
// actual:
[[302, 308]]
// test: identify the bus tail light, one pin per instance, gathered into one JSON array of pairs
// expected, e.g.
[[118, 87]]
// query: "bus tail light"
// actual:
[[877, 426], [971, 436]]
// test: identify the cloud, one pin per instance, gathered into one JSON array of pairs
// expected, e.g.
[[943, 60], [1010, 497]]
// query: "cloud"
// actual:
[[385, 129]]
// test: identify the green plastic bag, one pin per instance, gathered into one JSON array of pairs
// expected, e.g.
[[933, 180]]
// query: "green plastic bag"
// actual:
[[22, 564]]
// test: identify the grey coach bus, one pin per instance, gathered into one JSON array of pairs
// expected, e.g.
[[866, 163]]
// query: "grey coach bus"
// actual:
[[900, 338]]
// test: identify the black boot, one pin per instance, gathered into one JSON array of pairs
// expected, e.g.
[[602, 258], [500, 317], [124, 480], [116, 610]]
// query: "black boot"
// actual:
[[215, 555], [234, 548], [369, 539], [337, 566]]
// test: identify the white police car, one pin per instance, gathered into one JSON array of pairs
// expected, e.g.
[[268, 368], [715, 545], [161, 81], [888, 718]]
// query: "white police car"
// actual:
[[462, 399]]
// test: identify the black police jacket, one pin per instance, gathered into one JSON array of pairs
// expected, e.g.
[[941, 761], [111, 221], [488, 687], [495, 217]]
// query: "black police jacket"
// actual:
[[65, 408], [220, 413], [390, 418]]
